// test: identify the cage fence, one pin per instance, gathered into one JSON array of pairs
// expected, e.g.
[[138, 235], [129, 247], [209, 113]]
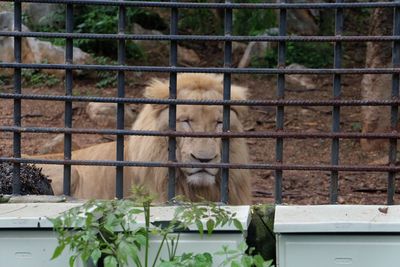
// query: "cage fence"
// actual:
[[335, 136]]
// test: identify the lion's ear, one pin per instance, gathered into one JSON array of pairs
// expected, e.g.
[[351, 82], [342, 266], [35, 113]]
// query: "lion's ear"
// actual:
[[157, 89], [239, 93]]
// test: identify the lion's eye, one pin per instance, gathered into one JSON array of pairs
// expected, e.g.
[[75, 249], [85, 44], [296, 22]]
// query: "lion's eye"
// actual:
[[219, 125]]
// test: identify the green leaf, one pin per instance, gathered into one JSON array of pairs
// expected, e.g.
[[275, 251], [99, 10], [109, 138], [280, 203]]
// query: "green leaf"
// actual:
[[238, 224], [57, 252], [235, 264], [210, 226], [96, 254], [110, 261], [200, 227], [72, 261]]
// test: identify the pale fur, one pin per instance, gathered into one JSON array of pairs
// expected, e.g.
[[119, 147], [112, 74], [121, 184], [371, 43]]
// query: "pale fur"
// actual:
[[99, 181]]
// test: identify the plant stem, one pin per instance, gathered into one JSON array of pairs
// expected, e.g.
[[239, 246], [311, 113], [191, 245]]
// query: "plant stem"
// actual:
[[176, 246], [159, 249], [146, 207]]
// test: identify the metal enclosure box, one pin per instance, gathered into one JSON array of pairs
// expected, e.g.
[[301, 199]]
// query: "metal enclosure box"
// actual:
[[335, 235], [27, 238]]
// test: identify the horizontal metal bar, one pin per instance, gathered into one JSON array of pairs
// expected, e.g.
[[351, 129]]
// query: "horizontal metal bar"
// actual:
[[260, 166], [283, 102], [259, 134], [219, 5], [201, 37], [203, 70]]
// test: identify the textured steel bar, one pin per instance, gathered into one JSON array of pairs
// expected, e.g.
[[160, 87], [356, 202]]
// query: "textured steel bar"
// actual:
[[224, 190], [173, 60], [119, 182], [336, 92], [202, 37], [271, 71], [391, 189], [220, 5], [68, 104], [16, 181], [280, 108], [127, 100], [258, 166], [258, 134]]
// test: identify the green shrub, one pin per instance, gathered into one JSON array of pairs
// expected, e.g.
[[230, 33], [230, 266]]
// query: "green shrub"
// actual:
[[35, 78], [253, 21], [199, 21], [311, 55]]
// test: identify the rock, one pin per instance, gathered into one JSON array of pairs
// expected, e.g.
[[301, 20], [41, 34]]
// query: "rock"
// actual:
[[301, 22], [186, 56], [300, 80], [32, 180], [256, 50], [56, 145], [34, 50], [105, 114]]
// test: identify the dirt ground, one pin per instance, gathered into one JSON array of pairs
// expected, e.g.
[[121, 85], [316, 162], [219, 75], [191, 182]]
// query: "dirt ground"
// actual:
[[299, 187]]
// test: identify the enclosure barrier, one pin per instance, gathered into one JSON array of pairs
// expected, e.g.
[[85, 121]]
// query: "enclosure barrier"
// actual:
[[279, 134]]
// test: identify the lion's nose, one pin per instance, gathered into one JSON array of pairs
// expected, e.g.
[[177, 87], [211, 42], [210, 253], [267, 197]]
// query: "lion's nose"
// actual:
[[203, 158]]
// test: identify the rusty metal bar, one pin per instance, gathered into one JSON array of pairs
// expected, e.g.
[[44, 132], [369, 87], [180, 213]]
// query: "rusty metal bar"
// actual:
[[271, 71], [220, 5], [259, 134], [260, 166], [126, 36], [284, 102]]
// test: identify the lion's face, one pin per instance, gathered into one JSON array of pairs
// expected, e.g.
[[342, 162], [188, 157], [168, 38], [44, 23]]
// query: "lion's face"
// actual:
[[200, 150], [196, 118]]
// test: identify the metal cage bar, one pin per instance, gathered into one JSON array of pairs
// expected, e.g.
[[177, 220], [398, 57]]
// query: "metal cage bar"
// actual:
[[69, 27], [220, 5], [17, 102], [279, 133], [280, 109], [226, 108], [337, 80], [120, 106], [394, 109], [172, 107]]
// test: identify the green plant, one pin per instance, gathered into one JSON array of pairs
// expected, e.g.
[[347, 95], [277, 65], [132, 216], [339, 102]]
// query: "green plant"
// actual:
[[253, 21], [105, 78], [35, 78], [107, 231], [199, 21], [311, 55]]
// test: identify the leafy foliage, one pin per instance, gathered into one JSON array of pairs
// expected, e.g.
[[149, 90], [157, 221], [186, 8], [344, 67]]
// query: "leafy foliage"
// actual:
[[107, 231], [253, 21], [35, 78], [311, 55]]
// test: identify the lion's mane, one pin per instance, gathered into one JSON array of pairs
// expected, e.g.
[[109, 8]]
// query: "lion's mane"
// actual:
[[155, 149]]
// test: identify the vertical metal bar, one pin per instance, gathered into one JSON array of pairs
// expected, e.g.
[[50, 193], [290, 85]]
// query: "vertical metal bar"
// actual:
[[394, 109], [226, 109], [173, 60], [16, 184], [336, 109], [68, 104], [119, 183], [280, 109]]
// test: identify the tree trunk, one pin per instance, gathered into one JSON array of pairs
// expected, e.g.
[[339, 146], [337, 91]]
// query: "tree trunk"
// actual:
[[373, 86]]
